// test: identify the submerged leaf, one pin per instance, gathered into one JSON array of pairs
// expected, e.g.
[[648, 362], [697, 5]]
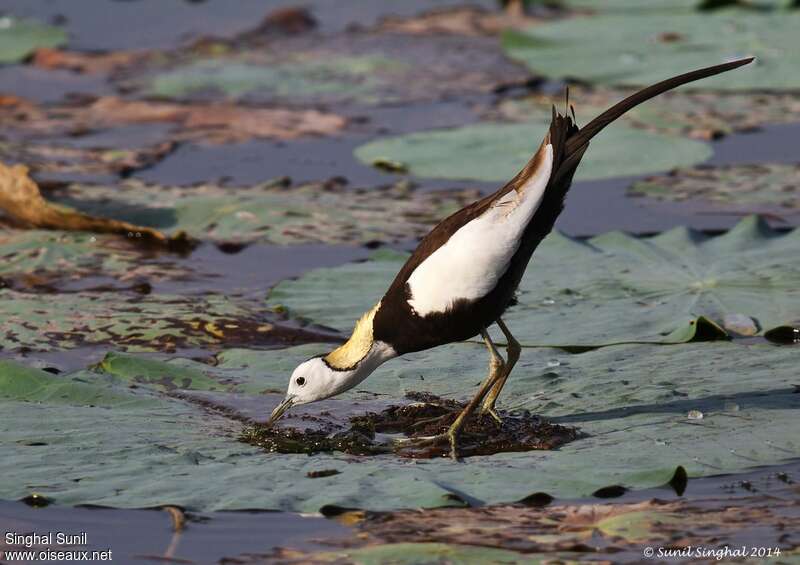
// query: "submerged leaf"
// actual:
[[770, 186], [275, 213], [18, 38]]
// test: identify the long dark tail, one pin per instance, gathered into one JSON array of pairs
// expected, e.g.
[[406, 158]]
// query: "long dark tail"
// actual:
[[570, 143], [596, 125]]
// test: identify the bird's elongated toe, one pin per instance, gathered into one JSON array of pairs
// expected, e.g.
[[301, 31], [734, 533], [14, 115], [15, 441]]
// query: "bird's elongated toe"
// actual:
[[491, 412]]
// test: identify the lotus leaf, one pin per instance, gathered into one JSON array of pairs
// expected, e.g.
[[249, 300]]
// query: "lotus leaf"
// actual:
[[207, 123], [22, 201], [55, 255], [355, 66], [423, 554], [643, 50], [275, 213], [699, 115], [495, 152], [340, 77], [157, 452], [612, 288], [736, 186], [19, 38], [651, 6], [45, 322], [609, 530]]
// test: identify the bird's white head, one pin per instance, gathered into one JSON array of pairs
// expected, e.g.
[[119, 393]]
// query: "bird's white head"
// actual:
[[325, 376]]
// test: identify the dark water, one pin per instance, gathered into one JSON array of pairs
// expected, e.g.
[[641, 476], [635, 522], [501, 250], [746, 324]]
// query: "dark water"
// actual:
[[158, 24], [147, 536], [592, 206]]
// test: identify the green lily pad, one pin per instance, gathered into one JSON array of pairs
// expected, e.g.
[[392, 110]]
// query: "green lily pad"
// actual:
[[356, 66], [496, 152], [639, 431], [50, 255], [772, 185], [612, 288], [698, 115], [274, 213], [19, 38], [650, 6], [342, 77], [161, 322], [629, 49], [422, 554], [21, 383]]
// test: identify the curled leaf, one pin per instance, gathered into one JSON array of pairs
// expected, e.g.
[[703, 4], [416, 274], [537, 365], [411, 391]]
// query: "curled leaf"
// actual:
[[22, 201]]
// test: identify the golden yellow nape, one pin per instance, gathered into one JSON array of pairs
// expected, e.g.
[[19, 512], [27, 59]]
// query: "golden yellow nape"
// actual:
[[348, 355]]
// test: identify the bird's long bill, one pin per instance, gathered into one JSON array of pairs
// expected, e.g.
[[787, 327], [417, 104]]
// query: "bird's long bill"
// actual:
[[285, 404]]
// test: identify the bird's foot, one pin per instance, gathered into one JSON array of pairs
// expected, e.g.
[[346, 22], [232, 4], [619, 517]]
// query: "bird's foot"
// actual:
[[450, 437], [490, 411], [428, 421]]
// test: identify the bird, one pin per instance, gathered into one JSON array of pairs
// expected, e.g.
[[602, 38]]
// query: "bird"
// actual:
[[464, 273]]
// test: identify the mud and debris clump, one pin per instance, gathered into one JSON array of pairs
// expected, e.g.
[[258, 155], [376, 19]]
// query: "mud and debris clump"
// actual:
[[427, 415]]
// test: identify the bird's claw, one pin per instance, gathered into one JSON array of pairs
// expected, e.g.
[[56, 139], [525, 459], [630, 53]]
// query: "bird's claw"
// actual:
[[486, 410], [450, 437]]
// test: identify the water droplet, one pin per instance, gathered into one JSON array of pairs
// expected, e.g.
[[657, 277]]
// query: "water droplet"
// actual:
[[695, 415], [554, 363]]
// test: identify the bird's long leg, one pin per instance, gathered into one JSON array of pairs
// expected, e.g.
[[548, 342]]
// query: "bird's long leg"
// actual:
[[513, 350], [496, 370]]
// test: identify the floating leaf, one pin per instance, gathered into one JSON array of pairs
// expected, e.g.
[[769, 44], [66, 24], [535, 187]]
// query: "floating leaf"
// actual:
[[643, 50], [21, 383], [495, 152], [420, 554], [21, 200], [651, 7], [204, 123], [612, 288], [342, 77], [765, 186], [699, 115], [157, 322], [19, 38], [356, 66], [567, 532], [635, 419], [275, 213]]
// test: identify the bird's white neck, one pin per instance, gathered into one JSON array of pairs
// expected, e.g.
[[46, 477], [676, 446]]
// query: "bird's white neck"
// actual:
[[378, 354]]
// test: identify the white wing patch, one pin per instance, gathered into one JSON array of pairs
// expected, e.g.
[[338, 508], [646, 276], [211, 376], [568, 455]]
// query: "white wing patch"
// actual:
[[475, 257]]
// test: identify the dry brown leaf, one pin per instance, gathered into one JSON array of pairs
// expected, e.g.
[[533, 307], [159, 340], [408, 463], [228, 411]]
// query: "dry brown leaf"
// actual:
[[215, 123], [48, 58], [59, 159], [22, 201], [460, 20]]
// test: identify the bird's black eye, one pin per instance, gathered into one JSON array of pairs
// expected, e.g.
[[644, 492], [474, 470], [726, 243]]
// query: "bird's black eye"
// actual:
[[300, 381]]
